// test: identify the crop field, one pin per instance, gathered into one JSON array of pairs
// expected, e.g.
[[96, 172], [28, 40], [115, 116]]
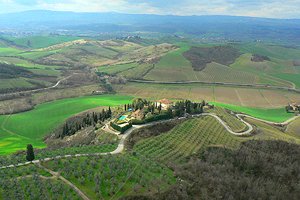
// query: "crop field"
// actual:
[[187, 139], [128, 70], [111, 177], [30, 127], [172, 66], [258, 98], [274, 115], [35, 42], [15, 83], [25, 63], [175, 67], [273, 51]]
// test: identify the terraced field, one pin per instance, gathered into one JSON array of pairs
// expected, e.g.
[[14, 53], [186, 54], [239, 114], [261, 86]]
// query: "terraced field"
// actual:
[[30, 127]]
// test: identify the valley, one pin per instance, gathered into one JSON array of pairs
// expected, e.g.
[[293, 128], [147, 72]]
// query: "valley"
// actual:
[[149, 111]]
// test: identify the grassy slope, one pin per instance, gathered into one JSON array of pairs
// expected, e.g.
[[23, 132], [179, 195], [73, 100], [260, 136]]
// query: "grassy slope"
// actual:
[[175, 67], [30, 127], [172, 66], [269, 50], [41, 41], [115, 69], [274, 115], [295, 78], [7, 51], [14, 83], [262, 70], [294, 128], [280, 65]]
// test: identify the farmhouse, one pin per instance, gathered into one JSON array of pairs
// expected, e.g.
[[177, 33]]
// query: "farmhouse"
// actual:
[[165, 103], [294, 107]]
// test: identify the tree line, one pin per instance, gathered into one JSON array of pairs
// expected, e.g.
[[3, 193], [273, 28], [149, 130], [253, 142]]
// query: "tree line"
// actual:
[[90, 119]]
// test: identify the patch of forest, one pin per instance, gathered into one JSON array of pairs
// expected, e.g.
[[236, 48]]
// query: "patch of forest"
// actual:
[[201, 56], [259, 58], [257, 170]]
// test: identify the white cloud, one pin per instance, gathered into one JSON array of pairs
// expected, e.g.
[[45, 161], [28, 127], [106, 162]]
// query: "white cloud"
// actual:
[[98, 6], [257, 8]]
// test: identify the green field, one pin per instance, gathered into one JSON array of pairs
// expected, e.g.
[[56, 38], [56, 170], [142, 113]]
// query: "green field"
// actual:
[[273, 51], [175, 67], [18, 130], [273, 115], [15, 83], [7, 51], [294, 78], [40, 41]]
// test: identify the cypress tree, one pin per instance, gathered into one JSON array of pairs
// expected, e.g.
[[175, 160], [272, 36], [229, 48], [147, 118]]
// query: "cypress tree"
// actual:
[[30, 153]]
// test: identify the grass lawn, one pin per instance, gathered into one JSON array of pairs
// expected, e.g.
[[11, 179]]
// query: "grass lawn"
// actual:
[[17, 130], [274, 115]]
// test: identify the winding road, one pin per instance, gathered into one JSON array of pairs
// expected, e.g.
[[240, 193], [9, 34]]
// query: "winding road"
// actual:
[[39, 89], [121, 145]]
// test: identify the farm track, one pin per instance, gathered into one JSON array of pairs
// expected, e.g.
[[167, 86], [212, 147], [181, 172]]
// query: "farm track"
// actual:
[[261, 86], [39, 89], [121, 145], [56, 174]]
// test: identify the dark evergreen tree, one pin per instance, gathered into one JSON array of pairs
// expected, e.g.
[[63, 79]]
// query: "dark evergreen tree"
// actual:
[[30, 153]]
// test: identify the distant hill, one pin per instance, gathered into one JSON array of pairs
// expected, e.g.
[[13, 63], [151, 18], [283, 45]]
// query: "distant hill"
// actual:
[[224, 27]]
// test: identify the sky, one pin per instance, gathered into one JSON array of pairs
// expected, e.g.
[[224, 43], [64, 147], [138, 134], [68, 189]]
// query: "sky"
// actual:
[[254, 8]]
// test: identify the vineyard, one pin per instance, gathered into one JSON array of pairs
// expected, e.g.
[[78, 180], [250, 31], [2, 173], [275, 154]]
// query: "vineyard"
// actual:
[[187, 139], [111, 177], [231, 120]]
